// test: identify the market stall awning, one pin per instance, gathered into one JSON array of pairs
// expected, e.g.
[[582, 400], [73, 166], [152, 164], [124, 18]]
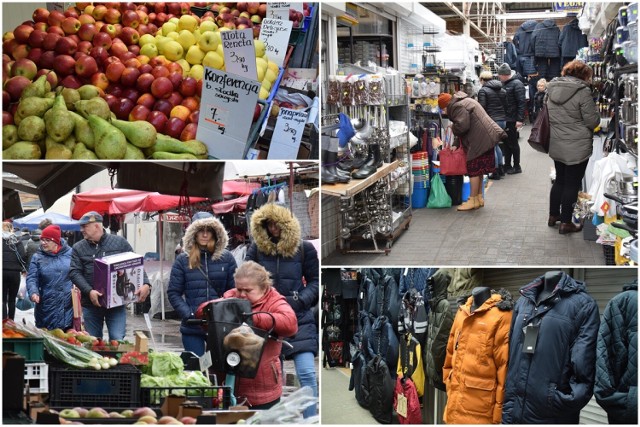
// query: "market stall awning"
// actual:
[[32, 221], [241, 188], [228, 206]]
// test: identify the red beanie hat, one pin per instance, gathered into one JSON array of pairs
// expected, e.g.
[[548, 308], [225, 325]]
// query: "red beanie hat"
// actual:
[[52, 232], [443, 100]]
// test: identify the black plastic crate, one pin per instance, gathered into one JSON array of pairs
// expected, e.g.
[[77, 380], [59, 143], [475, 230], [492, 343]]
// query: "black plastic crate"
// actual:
[[609, 254], [116, 388], [214, 397]]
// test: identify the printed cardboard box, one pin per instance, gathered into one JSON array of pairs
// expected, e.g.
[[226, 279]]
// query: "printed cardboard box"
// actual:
[[117, 278]]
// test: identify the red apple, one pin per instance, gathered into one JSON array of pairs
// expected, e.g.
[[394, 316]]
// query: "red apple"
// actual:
[[64, 65], [159, 7], [40, 15], [86, 19], [8, 46], [163, 106], [99, 12], [47, 59], [174, 127], [175, 98], [153, 29], [36, 38], [173, 8], [7, 117], [87, 32], [85, 47], [147, 100], [145, 68], [102, 40], [99, 53], [143, 29], [160, 71], [52, 77], [71, 12], [189, 132], [135, 49], [115, 89], [66, 46], [158, 120], [127, 6], [56, 30], [143, 8], [79, 55], [21, 51], [55, 18], [199, 91], [50, 41], [143, 17], [174, 67], [191, 102], [114, 71], [109, 29], [131, 93], [74, 37], [262, 10], [118, 29], [42, 26], [130, 18], [161, 18], [118, 49], [110, 60], [129, 77], [112, 16], [124, 57], [112, 101], [188, 86], [22, 32], [71, 82], [123, 108], [70, 25], [24, 67], [129, 36], [15, 86], [176, 79], [35, 54], [133, 62], [86, 66], [194, 116]]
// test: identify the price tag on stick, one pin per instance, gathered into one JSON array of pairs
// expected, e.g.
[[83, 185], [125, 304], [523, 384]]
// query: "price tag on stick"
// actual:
[[275, 35], [147, 320], [227, 106], [239, 53], [287, 134]]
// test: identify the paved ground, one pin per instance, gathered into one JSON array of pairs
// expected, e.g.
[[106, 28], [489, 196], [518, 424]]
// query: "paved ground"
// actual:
[[338, 405], [510, 230]]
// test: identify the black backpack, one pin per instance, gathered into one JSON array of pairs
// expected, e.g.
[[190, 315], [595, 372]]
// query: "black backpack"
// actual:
[[381, 386]]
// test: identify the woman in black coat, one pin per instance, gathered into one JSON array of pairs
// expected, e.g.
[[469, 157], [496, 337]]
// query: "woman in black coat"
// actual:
[[493, 99]]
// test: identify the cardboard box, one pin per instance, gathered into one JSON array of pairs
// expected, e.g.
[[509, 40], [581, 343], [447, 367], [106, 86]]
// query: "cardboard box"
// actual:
[[118, 277]]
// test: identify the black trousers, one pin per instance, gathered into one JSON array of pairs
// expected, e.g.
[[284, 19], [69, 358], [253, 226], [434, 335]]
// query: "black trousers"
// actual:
[[10, 287], [511, 148], [564, 191]]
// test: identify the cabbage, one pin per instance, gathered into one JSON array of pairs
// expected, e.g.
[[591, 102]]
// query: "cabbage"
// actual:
[[164, 364]]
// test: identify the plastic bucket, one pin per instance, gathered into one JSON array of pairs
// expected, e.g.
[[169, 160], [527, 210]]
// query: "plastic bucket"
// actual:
[[419, 198], [622, 15], [622, 34], [466, 189], [632, 12]]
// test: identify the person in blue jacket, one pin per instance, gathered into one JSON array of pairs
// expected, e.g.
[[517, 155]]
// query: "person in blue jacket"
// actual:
[[294, 267], [48, 284], [202, 272]]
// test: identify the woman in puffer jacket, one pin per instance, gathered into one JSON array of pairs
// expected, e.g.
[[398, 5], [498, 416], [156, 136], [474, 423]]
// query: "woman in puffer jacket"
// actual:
[[203, 272], [294, 267]]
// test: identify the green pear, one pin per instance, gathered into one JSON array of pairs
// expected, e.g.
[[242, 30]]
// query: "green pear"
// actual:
[[82, 130], [164, 155], [88, 92], [139, 133], [133, 153], [96, 106], [56, 151], [70, 142], [71, 96], [110, 142], [9, 136], [58, 121], [34, 106], [22, 150], [37, 88], [31, 129], [81, 152]]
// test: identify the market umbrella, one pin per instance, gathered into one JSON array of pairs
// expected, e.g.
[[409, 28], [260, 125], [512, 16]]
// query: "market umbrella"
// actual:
[[228, 206], [32, 221], [241, 188]]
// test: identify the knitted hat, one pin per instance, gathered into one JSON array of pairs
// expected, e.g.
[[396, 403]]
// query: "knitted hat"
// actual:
[[201, 215], [52, 232], [504, 70], [90, 217], [443, 100]]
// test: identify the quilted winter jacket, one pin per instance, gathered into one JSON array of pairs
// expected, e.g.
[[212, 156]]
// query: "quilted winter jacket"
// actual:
[[516, 99], [288, 266], [475, 368], [439, 324], [84, 253], [573, 116], [267, 385], [463, 280], [616, 387], [554, 383], [48, 278], [473, 125], [493, 99], [522, 38], [545, 39], [571, 39], [188, 288]]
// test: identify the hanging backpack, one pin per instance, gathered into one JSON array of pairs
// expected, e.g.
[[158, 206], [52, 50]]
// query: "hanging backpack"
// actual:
[[384, 343], [413, 315], [358, 381], [381, 386]]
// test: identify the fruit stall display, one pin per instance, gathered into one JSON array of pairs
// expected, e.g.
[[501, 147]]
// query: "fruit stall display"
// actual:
[[121, 80]]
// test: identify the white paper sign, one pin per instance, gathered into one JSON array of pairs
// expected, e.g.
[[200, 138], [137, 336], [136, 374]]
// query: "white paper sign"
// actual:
[[205, 361], [226, 109], [275, 35], [287, 134], [278, 10], [239, 53]]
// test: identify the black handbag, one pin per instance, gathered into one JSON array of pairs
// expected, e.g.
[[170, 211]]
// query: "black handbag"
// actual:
[[541, 131]]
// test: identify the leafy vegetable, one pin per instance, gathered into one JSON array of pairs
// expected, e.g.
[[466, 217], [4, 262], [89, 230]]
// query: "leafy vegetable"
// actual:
[[163, 364]]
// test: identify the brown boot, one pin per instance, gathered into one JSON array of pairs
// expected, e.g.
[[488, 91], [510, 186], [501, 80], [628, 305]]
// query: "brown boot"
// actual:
[[470, 204], [480, 200], [566, 228]]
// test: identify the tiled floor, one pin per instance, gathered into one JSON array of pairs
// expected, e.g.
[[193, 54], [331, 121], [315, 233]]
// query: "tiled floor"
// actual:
[[510, 230]]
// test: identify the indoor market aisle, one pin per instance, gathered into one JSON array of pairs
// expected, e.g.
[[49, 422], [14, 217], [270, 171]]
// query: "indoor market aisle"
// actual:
[[510, 230], [338, 405]]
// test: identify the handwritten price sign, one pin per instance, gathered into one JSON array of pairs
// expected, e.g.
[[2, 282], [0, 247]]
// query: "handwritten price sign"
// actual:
[[275, 35], [239, 53], [287, 134], [226, 108]]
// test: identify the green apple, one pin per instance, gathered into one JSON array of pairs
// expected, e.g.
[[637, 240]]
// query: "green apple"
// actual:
[[270, 75], [174, 20], [197, 71], [264, 94], [266, 84], [185, 66], [194, 55], [213, 60], [146, 38], [149, 49], [188, 22], [209, 41], [173, 35], [260, 73], [69, 413], [259, 47], [208, 26], [173, 50], [186, 38], [168, 27]]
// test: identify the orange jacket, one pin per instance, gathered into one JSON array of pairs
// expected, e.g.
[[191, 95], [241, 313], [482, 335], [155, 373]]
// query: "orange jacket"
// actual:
[[475, 367]]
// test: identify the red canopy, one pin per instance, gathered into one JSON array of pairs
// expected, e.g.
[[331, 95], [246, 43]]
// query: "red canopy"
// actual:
[[228, 206], [121, 201], [241, 188]]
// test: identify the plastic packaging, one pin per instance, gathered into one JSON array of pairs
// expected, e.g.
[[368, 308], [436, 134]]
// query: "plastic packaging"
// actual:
[[289, 410]]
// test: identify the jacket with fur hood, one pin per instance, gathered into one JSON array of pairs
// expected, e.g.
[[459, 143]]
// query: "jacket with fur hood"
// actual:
[[289, 259], [475, 368], [188, 288], [573, 115], [477, 131], [552, 384]]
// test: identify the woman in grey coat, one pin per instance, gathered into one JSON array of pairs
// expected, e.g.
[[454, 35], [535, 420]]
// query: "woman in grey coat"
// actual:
[[572, 117]]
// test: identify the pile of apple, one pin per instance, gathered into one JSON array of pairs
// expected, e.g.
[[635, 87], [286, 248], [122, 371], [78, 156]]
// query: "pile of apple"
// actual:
[[143, 415]]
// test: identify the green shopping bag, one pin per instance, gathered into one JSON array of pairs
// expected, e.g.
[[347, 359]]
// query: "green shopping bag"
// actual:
[[438, 196]]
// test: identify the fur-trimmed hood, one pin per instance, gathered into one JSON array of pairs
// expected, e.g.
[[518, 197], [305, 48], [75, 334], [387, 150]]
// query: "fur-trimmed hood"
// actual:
[[221, 237], [504, 302], [290, 234]]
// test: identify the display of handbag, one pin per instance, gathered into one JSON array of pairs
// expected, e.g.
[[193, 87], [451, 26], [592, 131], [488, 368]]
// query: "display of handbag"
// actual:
[[452, 162], [541, 131]]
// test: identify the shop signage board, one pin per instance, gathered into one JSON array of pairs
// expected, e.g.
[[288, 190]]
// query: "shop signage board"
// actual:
[[175, 218], [287, 134], [275, 35], [280, 10], [227, 105], [571, 7], [239, 53]]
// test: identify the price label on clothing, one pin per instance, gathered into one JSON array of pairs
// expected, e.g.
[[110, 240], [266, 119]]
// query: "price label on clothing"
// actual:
[[275, 35], [239, 53], [401, 408]]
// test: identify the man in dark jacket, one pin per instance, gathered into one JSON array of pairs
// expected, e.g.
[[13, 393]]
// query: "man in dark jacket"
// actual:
[[98, 244], [33, 245], [493, 99], [13, 264], [24, 237], [571, 40], [279, 248], [616, 386], [552, 352], [516, 102]]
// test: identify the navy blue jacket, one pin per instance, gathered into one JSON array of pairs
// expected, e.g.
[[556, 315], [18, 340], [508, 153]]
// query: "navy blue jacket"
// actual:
[[522, 38], [616, 386], [545, 39], [554, 383], [572, 39], [284, 259], [48, 277], [188, 287], [516, 99]]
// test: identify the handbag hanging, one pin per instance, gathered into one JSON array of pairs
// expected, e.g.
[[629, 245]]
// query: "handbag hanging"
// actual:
[[541, 131], [452, 162], [78, 322]]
